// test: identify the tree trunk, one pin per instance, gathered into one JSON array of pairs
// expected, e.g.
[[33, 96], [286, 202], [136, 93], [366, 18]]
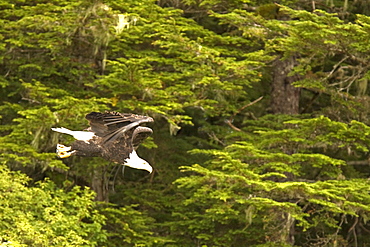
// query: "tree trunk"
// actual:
[[99, 185], [284, 96]]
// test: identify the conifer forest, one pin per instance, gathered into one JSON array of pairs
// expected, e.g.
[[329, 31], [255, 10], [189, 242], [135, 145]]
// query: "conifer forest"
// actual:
[[261, 132]]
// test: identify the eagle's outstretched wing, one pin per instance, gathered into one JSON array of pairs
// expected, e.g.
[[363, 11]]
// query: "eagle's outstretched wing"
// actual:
[[112, 125], [140, 133]]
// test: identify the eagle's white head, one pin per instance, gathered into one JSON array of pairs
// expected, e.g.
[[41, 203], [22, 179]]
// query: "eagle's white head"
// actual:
[[136, 162]]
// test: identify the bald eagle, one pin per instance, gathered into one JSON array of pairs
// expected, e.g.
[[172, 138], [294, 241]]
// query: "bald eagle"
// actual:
[[112, 135]]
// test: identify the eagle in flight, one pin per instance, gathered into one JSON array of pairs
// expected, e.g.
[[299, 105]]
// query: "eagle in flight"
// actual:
[[112, 135]]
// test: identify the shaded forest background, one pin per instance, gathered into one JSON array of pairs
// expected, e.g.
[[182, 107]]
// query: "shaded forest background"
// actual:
[[261, 133]]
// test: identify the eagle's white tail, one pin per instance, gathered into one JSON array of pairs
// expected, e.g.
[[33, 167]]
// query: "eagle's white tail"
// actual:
[[78, 135]]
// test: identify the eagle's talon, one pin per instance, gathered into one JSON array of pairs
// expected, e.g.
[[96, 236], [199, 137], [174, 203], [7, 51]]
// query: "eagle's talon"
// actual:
[[62, 151], [64, 154], [62, 148]]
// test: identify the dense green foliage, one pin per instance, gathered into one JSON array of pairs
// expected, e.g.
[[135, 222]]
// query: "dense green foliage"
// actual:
[[230, 169], [44, 215]]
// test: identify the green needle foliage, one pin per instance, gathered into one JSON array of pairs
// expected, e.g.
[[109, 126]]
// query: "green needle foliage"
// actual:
[[247, 187], [45, 215]]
